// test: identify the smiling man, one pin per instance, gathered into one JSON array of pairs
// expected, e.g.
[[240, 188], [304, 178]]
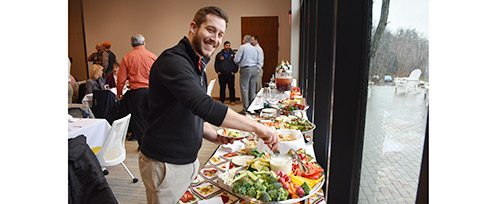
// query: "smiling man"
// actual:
[[180, 111]]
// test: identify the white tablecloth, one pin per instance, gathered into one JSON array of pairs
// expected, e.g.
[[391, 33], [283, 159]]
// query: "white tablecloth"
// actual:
[[96, 130], [258, 102]]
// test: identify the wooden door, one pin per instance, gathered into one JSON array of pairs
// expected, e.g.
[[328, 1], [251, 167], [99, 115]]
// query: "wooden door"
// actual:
[[76, 41], [267, 30]]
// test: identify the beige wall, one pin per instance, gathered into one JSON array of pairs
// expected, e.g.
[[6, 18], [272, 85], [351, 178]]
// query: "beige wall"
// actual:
[[163, 23]]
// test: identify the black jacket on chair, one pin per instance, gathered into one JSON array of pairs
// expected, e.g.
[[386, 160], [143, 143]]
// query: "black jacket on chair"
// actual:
[[86, 182], [105, 105], [81, 92]]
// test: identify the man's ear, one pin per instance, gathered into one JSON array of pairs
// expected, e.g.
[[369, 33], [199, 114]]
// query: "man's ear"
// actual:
[[193, 27]]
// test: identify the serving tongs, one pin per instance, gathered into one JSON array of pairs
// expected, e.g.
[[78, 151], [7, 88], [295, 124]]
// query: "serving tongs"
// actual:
[[302, 166]]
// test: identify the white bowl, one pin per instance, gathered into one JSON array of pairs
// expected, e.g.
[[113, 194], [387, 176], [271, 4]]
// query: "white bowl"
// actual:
[[284, 146], [281, 163], [308, 134]]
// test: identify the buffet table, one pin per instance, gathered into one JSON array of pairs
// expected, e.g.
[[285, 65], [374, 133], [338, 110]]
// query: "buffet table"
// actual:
[[208, 186], [205, 187], [261, 98]]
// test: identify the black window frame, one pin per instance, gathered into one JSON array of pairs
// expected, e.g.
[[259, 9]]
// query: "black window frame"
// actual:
[[334, 48], [334, 67]]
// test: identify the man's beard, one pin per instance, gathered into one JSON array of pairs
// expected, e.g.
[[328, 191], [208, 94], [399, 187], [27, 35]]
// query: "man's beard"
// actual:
[[197, 41]]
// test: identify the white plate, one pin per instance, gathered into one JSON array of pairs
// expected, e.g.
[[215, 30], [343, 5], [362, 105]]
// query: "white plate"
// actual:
[[242, 133], [241, 160]]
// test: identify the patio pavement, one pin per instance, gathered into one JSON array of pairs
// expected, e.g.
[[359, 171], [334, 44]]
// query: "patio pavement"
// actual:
[[393, 145]]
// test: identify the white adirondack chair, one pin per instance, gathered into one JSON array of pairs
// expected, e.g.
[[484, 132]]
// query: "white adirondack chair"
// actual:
[[407, 83]]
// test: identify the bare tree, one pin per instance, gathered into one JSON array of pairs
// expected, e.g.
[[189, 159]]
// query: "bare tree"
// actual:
[[385, 8], [398, 53]]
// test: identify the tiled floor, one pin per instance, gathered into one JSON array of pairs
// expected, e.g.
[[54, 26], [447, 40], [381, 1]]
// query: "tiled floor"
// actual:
[[393, 145]]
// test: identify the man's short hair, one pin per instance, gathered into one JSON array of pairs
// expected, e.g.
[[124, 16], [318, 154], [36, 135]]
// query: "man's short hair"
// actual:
[[201, 15], [136, 40], [247, 38], [256, 37], [227, 42]]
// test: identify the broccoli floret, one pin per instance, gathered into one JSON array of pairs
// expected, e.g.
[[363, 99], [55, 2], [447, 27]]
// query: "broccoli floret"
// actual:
[[251, 192], [277, 185], [260, 187], [241, 186], [273, 194], [264, 197], [282, 194], [271, 180]]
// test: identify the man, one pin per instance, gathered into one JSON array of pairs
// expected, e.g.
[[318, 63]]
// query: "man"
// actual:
[[135, 67], [226, 69], [180, 111], [247, 58], [255, 43]]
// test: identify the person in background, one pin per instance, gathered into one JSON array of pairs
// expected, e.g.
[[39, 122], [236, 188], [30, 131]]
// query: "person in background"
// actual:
[[259, 79], [96, 81], [71, 83], [226, 68], [109, 59], [247, 57], [181, 112], [72, 90], [135, 67], [97, 56], [111, 78]]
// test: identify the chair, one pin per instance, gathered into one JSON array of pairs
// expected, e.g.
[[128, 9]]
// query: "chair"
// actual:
[[408, 82], [113, 150], [210, 86]]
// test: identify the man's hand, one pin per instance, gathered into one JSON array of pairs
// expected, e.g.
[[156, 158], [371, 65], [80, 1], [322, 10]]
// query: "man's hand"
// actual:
[[223, 140], [219, 73], [269, 136], [211, 135], [218, 139]]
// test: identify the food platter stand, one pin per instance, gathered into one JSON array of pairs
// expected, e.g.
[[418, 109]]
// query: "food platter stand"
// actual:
[[206, 188]]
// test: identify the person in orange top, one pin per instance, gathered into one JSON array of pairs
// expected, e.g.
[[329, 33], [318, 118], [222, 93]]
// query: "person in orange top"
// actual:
[[135, 67]]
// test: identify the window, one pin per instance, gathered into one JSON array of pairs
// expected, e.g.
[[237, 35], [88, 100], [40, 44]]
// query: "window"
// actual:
[[397, 102]]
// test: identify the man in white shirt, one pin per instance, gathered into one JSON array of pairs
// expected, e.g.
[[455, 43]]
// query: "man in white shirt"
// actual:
[[247, 58], [255, 43]]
